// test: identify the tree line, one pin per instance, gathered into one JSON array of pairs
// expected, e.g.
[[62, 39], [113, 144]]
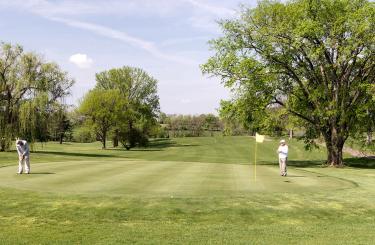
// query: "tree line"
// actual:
[[190, 125]]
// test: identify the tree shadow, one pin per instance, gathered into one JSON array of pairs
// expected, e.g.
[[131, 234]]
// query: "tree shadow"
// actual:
[[306, 164], [299, 163], [165, 143], [75, 154], [360, 162], [141, 149], [156, 145], [354, 162]]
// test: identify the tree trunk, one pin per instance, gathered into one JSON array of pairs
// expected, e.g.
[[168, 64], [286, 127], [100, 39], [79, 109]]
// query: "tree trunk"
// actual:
[[369, 137], [334, 144], [290, 133], [329, 149], [116, 138], [61, 138], [2, 144], [104, 139]]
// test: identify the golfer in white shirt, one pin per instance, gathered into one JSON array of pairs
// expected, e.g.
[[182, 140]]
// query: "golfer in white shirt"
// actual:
[[283, 157], [23, 156]]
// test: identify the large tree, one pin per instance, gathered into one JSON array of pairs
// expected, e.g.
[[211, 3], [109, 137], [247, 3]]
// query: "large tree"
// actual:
[[101, 109], [31, 87], [313, 57], [141, 108]]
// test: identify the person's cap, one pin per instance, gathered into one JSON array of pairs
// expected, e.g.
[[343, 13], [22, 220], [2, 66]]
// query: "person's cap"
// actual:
[[282, 141]]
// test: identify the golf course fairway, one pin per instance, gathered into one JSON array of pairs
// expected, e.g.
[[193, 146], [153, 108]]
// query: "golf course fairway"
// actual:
[[163, 178], [185, 191]]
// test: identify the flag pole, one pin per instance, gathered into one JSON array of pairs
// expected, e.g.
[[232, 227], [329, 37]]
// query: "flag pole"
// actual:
[[255, 162]]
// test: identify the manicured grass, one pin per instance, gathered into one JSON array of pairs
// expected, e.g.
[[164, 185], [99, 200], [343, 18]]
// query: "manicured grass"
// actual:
[[237, 150], [164, 179], [189, 191]]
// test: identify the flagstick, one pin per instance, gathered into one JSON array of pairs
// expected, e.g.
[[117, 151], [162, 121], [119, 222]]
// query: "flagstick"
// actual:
[[255, 162]]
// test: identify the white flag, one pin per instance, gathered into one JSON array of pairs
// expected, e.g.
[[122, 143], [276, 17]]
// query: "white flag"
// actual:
[[259, 138]]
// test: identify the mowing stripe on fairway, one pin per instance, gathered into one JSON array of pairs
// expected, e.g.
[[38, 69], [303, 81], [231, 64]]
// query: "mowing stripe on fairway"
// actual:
[[163, 178]]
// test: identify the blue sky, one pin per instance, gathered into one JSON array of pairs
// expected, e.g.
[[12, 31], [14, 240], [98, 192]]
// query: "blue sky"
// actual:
[[167, 38]]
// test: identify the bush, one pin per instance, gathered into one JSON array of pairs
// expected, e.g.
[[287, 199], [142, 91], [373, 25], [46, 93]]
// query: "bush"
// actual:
[[132, 138], [83, 135]]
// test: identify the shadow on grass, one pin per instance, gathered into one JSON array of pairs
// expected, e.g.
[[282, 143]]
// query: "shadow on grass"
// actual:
[[41, 173], [299, 164], [165, 143], [305, 164], [139, 149], [156, 145], [362, 162], [74, 154]]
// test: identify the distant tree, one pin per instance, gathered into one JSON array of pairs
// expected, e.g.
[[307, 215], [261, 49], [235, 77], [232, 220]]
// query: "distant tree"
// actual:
[[60, 124], [367, 126], [236, 118], [197, 125], [192, 125], [101, 109], [315, 58], [212, 123], [140, 110]]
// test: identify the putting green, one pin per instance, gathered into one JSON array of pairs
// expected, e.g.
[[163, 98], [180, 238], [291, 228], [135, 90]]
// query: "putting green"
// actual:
[[163, 178]]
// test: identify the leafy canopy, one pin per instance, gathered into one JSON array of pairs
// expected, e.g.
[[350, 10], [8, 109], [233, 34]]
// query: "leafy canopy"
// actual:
[[315, 58]]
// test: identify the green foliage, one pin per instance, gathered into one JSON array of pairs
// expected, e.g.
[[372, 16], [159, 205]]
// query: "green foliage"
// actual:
[[192, 125], [133, 137], [83, 134], [102, 109], [61, 124], [33, 117], [137, 117], [29, 91], [313, 57], [234, 119], [137, 87]]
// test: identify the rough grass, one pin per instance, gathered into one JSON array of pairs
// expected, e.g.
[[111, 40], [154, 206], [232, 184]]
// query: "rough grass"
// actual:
[[189, 191]]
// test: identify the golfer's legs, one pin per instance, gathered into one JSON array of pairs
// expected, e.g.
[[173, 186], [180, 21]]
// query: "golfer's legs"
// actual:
[[281, 166], [27, 164], [20, 166], [284, 165]]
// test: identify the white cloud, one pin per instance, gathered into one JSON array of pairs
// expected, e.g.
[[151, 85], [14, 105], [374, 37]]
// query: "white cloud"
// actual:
[[81, 60], [202, 13], [96, 7]]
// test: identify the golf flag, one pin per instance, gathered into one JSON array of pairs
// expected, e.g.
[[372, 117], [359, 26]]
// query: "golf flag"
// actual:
[[259, 138]]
